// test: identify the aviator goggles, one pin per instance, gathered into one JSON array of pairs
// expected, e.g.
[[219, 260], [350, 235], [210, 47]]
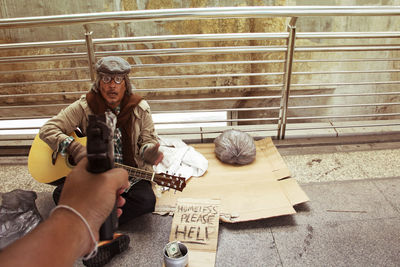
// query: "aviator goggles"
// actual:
[[117, 78]]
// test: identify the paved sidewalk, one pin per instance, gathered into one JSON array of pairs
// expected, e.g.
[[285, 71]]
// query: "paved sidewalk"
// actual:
[[346, 223], [352, 218]]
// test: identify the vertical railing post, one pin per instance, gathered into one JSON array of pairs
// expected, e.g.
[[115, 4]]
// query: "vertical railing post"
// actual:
[[90, 52], [233, 115], [287, 78]]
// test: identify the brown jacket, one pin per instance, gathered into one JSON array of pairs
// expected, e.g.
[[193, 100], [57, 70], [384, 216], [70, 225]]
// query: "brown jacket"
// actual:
[[77, 114]]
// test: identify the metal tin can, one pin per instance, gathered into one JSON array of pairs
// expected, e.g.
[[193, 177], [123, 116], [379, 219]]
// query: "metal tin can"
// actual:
[[177, 262]]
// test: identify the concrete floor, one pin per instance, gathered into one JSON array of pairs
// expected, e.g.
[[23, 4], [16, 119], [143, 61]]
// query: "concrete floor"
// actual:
[[352, 219]]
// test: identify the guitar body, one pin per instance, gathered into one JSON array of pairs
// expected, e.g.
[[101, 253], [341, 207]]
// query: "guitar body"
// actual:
[[40, 161]]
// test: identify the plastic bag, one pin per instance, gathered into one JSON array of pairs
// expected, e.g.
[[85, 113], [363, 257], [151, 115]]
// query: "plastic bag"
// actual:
[[18, 215], [235, 147]]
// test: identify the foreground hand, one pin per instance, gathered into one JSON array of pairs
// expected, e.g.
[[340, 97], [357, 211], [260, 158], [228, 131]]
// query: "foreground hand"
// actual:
[[152, 155], [94, 195], [77, 151]]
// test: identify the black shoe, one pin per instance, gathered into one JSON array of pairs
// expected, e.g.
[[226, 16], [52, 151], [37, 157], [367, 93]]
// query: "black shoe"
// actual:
[[107, 250]]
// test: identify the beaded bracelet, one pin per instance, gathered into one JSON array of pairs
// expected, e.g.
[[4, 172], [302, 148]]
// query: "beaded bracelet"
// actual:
[[94, 251]]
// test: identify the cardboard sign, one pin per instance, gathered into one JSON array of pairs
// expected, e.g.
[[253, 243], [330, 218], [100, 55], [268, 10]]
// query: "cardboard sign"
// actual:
[[196, 224]]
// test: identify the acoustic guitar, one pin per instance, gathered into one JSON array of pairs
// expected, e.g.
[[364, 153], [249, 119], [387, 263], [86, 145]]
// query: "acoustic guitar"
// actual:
[[45, 169]]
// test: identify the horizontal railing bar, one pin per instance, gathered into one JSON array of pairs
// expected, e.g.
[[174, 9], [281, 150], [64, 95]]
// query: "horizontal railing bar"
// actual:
[[215, 121], [344, 116], [211, 99], [192, 37], [45, 82], [344, 60], [344, 95], [44, 94], [221, 129], [344, 72], [158, 90], [166, 77], [169, 111], [170, 122], [35, 58], [345, 35], [48, 44], [288, 128], [344, 105], [182, 131], [201, 76], [215, 110], [222, 87], [20, 128], [161, 65], [210, 88], [243, 36], [195, 51], [343, 84], [243, 49], [185, 64], [347, 48], [201, 37], [145, 52], [201, 131], [162, 123], [196, 13], [226, 87], [24, 118], [44, 70], [192, 51], [216, 87], [34, 106]]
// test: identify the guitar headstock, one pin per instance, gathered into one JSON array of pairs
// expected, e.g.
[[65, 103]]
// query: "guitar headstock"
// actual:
[[171, 181]]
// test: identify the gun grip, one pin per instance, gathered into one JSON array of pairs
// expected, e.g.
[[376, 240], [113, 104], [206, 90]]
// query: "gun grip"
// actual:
[[110, 224]]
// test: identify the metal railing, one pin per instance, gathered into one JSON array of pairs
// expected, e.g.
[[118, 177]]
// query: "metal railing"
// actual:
[[267, 83]]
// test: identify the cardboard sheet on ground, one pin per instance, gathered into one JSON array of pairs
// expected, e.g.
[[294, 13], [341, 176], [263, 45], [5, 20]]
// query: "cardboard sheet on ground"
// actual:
[[258, 190]]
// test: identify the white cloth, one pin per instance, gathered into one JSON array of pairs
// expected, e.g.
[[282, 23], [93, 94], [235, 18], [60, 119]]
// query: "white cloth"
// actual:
[[180, 159]]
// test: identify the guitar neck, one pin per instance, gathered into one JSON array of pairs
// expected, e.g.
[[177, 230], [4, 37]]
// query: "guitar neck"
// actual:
[[136, 173]]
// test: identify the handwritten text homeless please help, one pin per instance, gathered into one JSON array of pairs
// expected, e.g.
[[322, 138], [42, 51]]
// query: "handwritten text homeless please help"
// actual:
[[196, 222]]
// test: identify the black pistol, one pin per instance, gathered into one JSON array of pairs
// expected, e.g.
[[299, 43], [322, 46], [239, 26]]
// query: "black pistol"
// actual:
[[100, 154]]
